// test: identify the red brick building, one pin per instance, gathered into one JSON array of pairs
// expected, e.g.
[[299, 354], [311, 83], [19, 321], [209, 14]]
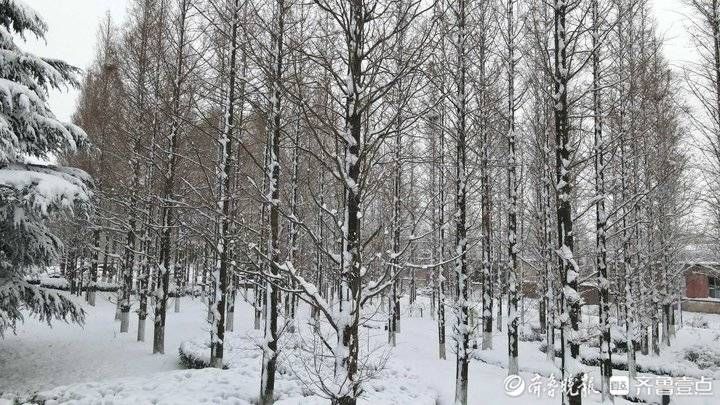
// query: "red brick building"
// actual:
[[701, 272], [701, 282], [702, 288]]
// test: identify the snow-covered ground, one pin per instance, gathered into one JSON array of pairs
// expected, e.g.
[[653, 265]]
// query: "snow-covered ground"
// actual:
[[97, 364], [40, 358]]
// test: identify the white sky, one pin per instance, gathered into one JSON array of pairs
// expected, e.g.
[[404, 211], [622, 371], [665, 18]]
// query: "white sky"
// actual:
[[673, 21], [73, 28], [71, 36]]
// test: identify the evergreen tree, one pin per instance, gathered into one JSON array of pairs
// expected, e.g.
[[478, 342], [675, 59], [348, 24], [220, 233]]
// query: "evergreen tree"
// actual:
[[31, 193]]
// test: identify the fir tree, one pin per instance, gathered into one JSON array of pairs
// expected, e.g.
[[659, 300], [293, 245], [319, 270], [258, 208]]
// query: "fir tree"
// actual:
[[31, 193]]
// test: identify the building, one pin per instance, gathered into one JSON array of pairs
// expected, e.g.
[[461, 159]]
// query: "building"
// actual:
[[701, 274], [702, 288], [698, 277]]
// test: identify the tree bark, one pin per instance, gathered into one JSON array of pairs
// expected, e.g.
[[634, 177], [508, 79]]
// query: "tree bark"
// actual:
[[569, 270], [600, 214], [462, 305], [512, 321], [269, 365], [224, 194]]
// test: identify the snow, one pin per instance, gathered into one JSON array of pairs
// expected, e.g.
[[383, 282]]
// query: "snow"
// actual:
[[45, 187], [243, 356], [96, 364], [40, 358], [61, 283]]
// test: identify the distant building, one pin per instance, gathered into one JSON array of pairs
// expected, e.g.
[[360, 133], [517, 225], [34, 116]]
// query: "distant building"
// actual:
[[701, 271], [698, 278], [702, 288]]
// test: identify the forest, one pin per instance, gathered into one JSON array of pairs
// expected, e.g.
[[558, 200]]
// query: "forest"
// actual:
[[528, 188]]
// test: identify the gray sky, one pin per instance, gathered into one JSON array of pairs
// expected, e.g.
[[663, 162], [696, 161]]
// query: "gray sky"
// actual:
[[673, 20], [73, 28], [72, 31]]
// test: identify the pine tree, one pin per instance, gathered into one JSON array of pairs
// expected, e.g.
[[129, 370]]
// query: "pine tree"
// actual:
[[31, 193]]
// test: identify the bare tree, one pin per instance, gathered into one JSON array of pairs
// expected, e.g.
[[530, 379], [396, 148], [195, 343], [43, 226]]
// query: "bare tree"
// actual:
[[167, 201], [600, 213], [267, 383], [462, 305], [512, 163]]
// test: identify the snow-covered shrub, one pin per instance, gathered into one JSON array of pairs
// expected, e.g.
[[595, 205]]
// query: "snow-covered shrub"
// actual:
[[617, 335], [531, 333], [63, 284], [106, 286], [299, 370], [590, 310], [699, 322], [55, 283], [32, 280], [704, 356], [195, 355]]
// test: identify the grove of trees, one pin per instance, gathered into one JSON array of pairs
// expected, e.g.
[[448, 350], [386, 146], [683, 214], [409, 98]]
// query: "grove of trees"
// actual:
[[337, 155]]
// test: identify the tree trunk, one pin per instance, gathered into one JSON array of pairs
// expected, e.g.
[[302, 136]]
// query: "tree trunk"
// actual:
[[269, 364], [568, 267], [92, 287], [441, 222], [168, 194], [512, 321], [395, 270], [230, 318], [224, 194], [601, 215], [461, 271], [127, 275]]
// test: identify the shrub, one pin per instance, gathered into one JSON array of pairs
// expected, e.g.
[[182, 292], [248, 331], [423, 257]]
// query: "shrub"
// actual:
[[704, 356], [699, 322]]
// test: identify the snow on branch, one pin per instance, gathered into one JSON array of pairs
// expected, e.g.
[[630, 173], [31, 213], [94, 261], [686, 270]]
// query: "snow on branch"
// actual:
[[18, 17], [46, 305], [42, 189]]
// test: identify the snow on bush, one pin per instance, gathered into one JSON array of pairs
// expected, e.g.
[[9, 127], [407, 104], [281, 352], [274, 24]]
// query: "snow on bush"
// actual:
[[238, 384], [531, 333], [63, 284], [56, 283], [706, 357], [241, 350], [698, 321], [393, 383], [668, 363], [106, 286]]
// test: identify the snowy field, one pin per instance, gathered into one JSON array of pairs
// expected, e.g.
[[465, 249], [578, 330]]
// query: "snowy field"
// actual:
[[349, 152], [97, 364], [39, 358]]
